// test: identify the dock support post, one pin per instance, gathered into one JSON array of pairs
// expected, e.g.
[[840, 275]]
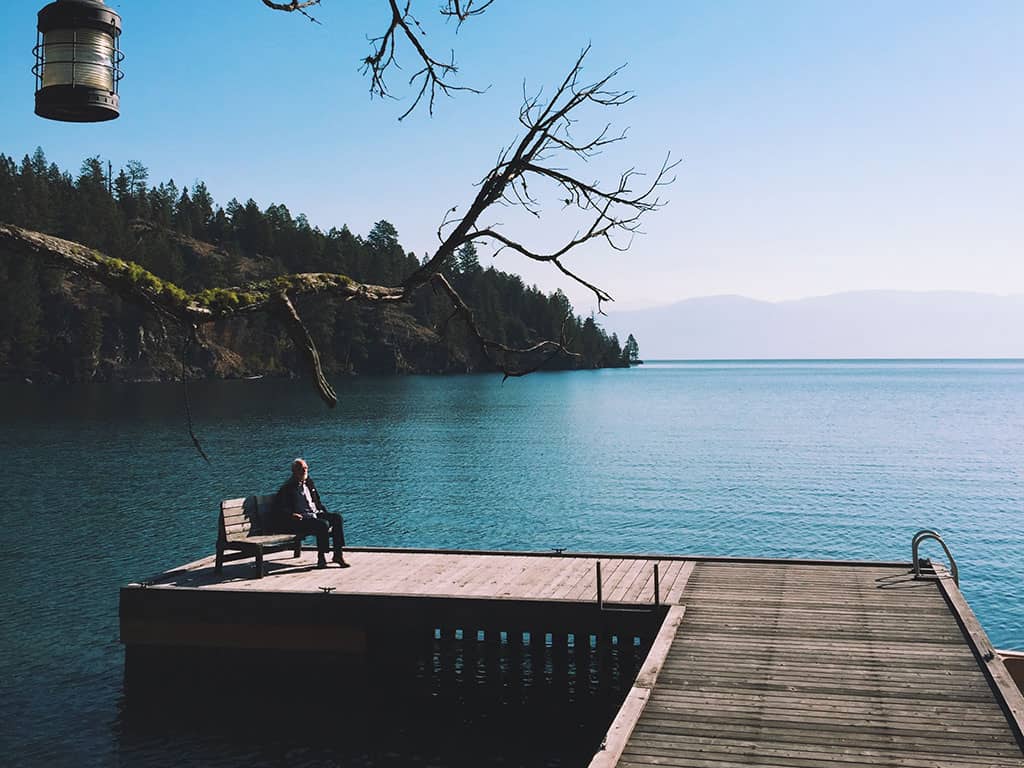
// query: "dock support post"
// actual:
[[492, 656], [600, 597], [603, 652], [516, 663], [447, 653], [581, 652], [560, 662], [627, 659], [657, 586], [538, 652], [471, 655]]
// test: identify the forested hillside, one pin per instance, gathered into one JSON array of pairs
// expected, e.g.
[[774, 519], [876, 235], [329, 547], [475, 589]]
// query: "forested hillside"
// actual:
[[55, 326]]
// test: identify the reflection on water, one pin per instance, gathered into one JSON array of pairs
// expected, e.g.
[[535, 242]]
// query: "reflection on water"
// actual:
[[457, 703]]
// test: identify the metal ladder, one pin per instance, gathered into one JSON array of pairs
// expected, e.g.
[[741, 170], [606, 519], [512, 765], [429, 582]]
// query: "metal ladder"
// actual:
[[924, 535], [600, 591]]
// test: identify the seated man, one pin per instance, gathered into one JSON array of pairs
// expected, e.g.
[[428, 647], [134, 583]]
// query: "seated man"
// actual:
[[300, 511]]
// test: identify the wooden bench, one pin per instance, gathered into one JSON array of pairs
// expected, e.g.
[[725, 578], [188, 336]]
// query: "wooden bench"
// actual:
[[244, 526]]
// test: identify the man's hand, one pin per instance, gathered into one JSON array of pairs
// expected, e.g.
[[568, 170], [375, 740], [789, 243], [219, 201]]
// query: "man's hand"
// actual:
[[296, 515]]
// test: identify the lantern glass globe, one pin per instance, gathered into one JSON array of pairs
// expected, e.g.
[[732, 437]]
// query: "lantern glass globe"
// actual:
[[78, 61]]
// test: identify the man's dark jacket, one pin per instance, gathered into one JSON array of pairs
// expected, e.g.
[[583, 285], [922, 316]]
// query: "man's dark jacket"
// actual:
[[284, 504]]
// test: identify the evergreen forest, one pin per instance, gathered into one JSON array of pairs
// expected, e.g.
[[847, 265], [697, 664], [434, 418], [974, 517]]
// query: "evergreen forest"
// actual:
[[57, 327]]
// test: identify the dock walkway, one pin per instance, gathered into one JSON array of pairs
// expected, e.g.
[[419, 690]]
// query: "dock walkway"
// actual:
[[807, 666]]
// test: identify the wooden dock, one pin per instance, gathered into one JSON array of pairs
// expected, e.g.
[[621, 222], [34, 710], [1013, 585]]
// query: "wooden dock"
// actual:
[[742, 662], [807, 665]]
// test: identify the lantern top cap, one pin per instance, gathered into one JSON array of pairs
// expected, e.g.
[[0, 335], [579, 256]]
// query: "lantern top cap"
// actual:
[[92, 14]]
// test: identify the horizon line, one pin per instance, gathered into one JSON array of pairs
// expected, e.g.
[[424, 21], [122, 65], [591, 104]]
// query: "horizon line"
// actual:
[[960, 291], [832, 360]]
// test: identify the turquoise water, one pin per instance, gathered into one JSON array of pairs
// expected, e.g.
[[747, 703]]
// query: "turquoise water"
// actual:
[[788, 459]]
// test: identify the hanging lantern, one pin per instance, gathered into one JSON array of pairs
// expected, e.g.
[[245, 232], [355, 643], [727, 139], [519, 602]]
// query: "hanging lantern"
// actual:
[[78, 61]]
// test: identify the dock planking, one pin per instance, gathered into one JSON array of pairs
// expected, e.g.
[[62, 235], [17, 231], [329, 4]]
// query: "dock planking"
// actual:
[[796, 666], [626, 580]]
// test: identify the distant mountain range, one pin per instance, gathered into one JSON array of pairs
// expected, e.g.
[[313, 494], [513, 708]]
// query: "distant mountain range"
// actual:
[[932, 324]]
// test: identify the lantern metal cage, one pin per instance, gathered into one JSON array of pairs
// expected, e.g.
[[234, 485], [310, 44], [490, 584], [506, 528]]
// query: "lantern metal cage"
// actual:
[[78, 61]]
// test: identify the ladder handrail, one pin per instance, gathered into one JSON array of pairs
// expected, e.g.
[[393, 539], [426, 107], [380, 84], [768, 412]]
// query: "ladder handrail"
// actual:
[[600, 589], [915, 544]]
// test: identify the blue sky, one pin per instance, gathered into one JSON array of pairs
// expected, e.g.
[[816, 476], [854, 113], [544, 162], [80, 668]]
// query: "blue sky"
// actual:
[[826, 146]]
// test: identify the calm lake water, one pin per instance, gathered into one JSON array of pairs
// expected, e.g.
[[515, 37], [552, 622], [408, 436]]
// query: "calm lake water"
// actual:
[[792, 459]]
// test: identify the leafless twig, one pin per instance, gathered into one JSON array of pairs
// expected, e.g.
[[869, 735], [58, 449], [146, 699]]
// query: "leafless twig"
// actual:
[[434, 76], [189, 336], [294, 5], [462, 10], [541, 353]]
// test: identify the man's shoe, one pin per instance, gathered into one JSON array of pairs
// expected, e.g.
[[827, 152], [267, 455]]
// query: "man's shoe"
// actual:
[[322, 562], [339, 559]]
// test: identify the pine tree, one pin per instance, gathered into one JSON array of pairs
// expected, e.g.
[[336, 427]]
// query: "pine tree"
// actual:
[[385, 257], [138, 176], [12, 203], [203, 215], [467, 262], [184, 213], [123, 194], [161, 200], [631, 352]]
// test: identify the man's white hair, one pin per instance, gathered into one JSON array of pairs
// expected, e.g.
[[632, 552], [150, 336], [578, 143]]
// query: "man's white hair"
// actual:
[[296, 462]]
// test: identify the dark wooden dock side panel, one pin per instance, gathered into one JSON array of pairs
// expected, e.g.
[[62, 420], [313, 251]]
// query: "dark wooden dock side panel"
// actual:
[[804, 666]]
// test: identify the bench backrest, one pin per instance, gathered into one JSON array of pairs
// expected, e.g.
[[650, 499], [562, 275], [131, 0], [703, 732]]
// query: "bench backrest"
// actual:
[[250, 516]]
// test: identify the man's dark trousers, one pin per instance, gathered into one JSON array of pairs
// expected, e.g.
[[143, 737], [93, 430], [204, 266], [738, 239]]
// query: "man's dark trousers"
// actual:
[[325, 525]]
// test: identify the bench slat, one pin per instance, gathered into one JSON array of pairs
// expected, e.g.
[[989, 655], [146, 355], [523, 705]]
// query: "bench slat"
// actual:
[[271, 538], [235, 519]]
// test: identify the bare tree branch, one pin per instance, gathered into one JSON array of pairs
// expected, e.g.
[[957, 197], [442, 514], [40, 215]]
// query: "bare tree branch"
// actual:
[[304, 345], [133, 282], [432, 75], [461, 11], [190, 334], [543, 351], [614, 212], [294, 5]]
